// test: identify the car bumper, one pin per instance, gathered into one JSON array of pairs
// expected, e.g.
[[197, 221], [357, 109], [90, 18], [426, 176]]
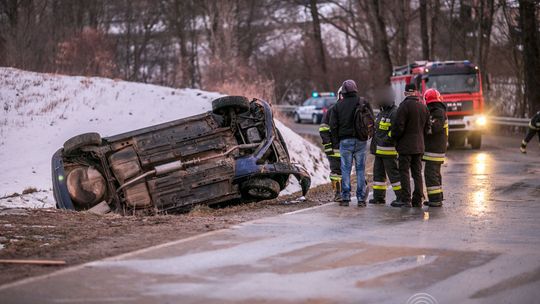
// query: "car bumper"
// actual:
[[60, 191]]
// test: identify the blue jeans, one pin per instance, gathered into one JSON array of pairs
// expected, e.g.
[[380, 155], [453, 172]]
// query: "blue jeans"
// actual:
[[353, 148]]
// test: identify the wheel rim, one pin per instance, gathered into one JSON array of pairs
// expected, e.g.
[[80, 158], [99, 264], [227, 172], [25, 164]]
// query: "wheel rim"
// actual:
[[259, 192]]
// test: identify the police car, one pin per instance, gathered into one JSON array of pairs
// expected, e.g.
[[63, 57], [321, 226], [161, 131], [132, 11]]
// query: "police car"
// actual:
[[315, 107]]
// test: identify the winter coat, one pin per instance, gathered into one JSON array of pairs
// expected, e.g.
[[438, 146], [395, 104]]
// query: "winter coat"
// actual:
[[383, 144], [342, 118], [535, 122], [412, 122], [324, 132], [437, 139]]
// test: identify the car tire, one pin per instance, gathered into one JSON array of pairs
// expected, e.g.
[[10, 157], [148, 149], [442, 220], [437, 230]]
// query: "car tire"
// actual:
[[475, 140], [222, 105], [261, 188], [456, 140], [297, 118], [76, 142], [315, 119]]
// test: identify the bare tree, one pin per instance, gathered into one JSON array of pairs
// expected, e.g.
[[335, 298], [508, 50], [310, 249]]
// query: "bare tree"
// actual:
[[528, 22], [424, 31], [317, 39]]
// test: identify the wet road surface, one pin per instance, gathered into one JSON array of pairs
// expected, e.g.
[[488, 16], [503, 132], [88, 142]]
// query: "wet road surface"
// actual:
[[483, 246]]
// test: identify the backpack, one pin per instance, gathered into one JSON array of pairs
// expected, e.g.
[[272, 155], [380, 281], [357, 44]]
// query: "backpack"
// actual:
[[364, 120]]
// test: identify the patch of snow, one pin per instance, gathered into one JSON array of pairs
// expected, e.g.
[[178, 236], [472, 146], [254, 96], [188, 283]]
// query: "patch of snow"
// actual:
[[38, 112]]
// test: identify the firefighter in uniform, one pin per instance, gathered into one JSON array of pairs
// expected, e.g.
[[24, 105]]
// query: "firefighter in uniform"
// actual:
[[384, 149], [332, 152], [534, 128], [435, 142]]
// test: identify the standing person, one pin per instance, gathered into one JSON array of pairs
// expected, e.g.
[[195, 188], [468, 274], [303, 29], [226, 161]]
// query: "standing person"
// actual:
[[384, 148], [534, 128], [412, 122], [435, 142], [331, 150], [342, 129]]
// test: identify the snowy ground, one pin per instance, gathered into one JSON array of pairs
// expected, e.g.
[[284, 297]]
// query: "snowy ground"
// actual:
[[40, 111]]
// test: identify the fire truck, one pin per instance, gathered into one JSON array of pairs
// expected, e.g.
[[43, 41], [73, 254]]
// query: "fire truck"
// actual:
[[460, 85]]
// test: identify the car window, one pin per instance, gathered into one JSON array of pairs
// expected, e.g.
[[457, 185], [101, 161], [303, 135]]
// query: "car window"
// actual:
[[329, 101], [308, 102]]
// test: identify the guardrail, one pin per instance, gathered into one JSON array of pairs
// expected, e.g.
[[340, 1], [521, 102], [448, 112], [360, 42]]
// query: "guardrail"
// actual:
[[497, 120], [285, 108], [509, 121]]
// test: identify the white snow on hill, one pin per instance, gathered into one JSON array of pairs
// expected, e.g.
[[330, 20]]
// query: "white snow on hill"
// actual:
[[40, 111]]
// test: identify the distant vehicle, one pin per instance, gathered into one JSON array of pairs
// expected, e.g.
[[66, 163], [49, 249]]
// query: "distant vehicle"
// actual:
[[234, 153], [313, 108], [460, 84]]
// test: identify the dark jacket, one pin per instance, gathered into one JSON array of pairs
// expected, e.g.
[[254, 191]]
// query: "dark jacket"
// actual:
[[437, 139], [382, 143], [324, 131], [535, 122], [342, 118], [412, 122]]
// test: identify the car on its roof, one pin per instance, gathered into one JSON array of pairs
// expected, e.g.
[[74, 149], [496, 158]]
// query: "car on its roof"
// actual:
[[233, 153]]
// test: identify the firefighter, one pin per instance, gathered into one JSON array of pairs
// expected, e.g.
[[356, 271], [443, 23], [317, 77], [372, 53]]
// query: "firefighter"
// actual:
[[435, 142], [332, 153], [534, 128], [384, 148]]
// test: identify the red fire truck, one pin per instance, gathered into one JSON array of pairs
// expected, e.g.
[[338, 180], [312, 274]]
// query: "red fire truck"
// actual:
[[460, 84]]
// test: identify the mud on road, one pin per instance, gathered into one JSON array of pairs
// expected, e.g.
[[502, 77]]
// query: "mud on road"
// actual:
[[79, 237]]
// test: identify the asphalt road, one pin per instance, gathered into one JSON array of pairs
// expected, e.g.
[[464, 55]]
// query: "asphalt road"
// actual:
[[483, 246]]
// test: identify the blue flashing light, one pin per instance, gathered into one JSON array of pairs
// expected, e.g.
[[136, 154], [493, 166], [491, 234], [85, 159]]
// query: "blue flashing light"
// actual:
[[315, 94], [332, 94]]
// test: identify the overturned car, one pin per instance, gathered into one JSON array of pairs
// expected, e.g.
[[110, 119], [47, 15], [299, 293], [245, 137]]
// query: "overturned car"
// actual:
[[234, 153]]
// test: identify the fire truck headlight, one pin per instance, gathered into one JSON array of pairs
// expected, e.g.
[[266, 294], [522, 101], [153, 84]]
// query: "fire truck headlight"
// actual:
[[481, 121]]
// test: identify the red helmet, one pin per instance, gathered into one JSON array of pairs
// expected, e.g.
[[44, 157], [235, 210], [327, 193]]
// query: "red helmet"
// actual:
[[432, 95]]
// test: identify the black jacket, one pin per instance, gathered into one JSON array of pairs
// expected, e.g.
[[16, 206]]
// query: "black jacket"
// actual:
[[324, 131], [382, 143], [412, 122], [437, 139], [342, 118], [535, 122]]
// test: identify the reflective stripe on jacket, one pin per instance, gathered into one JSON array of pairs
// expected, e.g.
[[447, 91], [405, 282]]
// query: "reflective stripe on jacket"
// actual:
[[382, 143]]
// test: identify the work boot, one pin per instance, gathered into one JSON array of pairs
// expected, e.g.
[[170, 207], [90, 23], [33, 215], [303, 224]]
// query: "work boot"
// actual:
[[433, 204], [398, 204], [377, 201], [344, 203], [336, 185], [523, 150], [416, 204]]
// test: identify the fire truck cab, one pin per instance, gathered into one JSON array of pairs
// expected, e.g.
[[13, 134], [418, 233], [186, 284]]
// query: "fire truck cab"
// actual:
[[460, 85]]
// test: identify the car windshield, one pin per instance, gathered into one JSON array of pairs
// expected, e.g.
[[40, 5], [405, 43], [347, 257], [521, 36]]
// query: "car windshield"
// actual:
[[457, 83]]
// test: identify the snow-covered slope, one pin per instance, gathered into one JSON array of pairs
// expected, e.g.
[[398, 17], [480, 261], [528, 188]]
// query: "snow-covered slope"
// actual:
[[40, 111]]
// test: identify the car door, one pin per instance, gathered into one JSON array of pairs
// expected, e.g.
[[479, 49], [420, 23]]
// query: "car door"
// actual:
[[305, 110]]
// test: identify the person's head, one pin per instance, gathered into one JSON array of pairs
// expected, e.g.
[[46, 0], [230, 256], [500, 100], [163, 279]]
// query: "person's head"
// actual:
[[384, 96], [432, 95], [410, 90], [349, 87]]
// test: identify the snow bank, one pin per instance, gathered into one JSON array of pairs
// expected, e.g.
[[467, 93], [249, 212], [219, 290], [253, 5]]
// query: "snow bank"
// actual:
[[40, 111]]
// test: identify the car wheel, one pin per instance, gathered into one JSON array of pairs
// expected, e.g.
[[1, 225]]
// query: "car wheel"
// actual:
[[456, 140], [222, 105], [261, 188], [297, 118], [315, 119], [87, 139], [475, 140]]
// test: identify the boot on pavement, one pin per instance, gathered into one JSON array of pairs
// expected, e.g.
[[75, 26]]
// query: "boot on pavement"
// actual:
[[336, 186], [377, 201], [399, 204]]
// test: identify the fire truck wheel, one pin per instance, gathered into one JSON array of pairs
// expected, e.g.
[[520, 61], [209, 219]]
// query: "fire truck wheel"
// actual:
[[475, 140]]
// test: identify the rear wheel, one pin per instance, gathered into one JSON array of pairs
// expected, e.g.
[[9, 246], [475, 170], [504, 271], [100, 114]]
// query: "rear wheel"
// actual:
[[297, 118], [456, 140], [475, 139], [261, 188], [87, 139], [223, 105]]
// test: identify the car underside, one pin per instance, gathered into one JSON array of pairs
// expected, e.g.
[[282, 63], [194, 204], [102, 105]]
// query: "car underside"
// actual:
[[234, 153]]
